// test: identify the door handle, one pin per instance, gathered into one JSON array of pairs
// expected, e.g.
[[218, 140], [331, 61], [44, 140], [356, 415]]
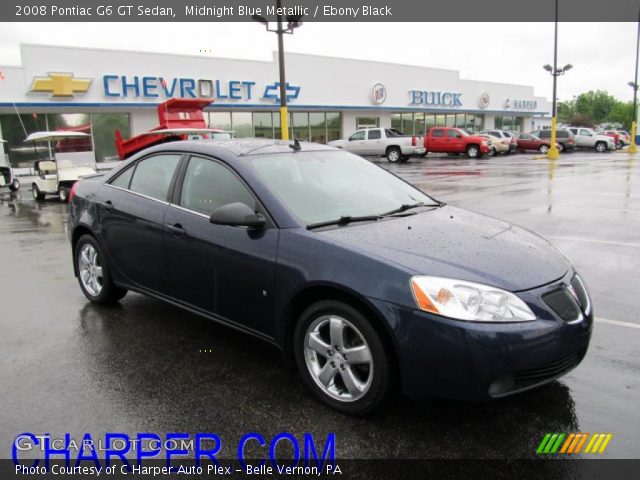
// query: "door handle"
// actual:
[[176, 229], [107, 205]]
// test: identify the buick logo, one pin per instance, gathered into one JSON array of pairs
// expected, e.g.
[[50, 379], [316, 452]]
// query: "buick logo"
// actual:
[[484, 100], [378, 94]]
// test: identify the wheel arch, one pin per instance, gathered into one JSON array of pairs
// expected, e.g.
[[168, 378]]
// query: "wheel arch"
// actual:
[[329, 291], [78, 232]]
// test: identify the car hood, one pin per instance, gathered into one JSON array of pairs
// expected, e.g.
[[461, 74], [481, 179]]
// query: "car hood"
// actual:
[[456, 243], [474, 138]]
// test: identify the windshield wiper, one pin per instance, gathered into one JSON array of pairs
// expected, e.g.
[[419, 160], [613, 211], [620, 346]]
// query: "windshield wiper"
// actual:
[[344, 220], [409, 206]]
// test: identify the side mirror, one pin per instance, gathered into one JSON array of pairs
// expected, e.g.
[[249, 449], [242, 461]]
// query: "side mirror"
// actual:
[[237, 215], [458, 135]]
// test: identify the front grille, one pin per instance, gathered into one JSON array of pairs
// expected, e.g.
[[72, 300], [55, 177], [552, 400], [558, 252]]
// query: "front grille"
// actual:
[[562, 302], [548, 371], [581, 293]]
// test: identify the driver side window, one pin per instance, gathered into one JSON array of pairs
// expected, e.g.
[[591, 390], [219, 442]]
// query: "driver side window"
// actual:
[[209, 185], [359, 135]]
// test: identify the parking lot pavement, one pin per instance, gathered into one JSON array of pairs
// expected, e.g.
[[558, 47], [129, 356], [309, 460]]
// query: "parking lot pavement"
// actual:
[[141, 366]]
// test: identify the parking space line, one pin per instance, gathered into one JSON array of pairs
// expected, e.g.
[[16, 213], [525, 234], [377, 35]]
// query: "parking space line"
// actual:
[[617, 323], [591, 240]]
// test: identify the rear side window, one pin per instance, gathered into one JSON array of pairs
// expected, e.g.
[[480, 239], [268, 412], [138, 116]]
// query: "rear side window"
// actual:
[[545, 134], [495, 133], [562, 134], [374, 134], [438, 132], [209, 185], [152, 176], [124, 179]]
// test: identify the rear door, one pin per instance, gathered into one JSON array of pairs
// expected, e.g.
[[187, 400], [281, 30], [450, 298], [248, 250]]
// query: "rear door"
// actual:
[[437, 140], [373, 145], [223, 270], [132, 212]]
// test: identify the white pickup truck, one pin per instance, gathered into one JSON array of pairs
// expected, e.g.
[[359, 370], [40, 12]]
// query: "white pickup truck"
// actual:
[[382, 142], [587, 138]]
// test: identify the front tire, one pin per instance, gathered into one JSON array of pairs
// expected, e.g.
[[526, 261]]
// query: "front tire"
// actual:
[[601, 147], [394, 154], [341, 358], [473, 151], [93, 273], [37, 194], [543, 149], [619, 145]]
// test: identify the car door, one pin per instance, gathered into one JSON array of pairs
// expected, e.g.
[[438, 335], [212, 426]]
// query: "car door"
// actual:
[[454, 141], [587, 138], [132, 211], [357, 142], [373, 145], [222, 270], [437, 140]]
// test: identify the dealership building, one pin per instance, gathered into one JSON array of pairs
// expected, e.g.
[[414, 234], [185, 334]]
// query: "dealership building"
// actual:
[[98, 91]]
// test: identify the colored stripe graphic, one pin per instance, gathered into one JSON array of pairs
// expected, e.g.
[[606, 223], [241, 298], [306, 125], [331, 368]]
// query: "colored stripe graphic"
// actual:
[[573, 443]]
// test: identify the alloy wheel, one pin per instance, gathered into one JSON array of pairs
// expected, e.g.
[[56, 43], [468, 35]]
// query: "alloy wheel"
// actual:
[[90, 269], [338, 358]]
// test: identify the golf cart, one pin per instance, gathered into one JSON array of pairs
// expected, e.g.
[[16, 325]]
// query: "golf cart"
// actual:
[[6, 177], [57, 175]]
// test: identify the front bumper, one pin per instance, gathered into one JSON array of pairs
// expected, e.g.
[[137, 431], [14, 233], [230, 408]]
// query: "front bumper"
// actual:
[[440, 357]]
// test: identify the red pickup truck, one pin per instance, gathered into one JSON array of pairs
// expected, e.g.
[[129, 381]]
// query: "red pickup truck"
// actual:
[[455, 140]]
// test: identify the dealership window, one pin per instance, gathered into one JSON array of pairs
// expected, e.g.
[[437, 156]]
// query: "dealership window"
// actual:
[[263, 124], [103, 127], [241, 124], [508, 123], [21, 154], [460, 120], [451, 120], [334, 126], [300, 125], [407, 124], [317, 127], [440, 120], [429, 121], [367, 122], [418, 123], [221, 120], [396, 121]]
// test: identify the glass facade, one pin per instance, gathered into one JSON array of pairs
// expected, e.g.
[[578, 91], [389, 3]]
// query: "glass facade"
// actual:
[[419, 123], [320, 127], [367, 122], [100, 126], [509, 123]]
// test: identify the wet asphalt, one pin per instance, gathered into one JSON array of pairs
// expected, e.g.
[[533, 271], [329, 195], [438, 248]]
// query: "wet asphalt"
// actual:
[[145, 366]]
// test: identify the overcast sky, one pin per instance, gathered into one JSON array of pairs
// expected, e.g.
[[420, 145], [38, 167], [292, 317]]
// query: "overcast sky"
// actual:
[[603, 54]]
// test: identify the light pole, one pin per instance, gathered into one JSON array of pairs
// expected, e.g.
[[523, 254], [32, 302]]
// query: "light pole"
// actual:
[[634, 126], [293, 21], [553, 152]]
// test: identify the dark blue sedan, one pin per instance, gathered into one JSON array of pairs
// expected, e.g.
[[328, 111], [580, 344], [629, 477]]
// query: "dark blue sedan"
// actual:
[[357, 275]]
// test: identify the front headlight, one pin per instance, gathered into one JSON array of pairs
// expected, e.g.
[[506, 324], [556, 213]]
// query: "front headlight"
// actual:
[[468, 301]]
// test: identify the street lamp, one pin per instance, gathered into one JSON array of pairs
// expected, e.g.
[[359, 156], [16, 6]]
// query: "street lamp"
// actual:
[[293, 22], [634, 126], [555, 72]]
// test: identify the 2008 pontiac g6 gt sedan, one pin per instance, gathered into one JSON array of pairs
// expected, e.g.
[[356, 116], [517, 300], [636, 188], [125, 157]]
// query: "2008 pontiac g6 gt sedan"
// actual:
[[364, 280]]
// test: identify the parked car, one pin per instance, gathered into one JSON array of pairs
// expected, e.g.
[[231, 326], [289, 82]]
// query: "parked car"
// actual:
[[455, 140], [513, 140], [504, 137], [527, 141], [564, 138], [381, 142], [588, 138], [356, 275], [496, 144], [8, 180], [56, 176], [620, 137]]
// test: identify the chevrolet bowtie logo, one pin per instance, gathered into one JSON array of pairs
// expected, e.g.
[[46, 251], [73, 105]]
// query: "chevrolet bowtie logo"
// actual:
[[60, 85]]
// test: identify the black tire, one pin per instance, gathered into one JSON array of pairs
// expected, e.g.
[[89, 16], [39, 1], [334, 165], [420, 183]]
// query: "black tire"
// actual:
[[394, 154], [63, 194], [109, 293], [619, 145], [601, 147], [561, 147], [380, 383], [14, 186], [543, 149], [473, 151], [404, 159], [37, 194]]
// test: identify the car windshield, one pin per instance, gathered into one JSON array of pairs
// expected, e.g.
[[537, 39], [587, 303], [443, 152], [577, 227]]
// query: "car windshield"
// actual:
[[325, 186]]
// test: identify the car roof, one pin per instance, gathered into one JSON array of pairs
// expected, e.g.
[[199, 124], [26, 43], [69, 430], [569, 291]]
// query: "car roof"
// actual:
[[240, 147]]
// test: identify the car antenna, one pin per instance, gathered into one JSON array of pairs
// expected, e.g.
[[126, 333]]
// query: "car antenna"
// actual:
[[296, 147]]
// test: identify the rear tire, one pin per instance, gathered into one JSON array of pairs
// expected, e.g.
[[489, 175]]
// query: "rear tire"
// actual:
[[328, 336], [63, 194], [37, 194], [15, 185], [619, 144], [473, 151], [601, 147], [394, 154], [93, 273], [561, 147], [543, 149], [404, 159]]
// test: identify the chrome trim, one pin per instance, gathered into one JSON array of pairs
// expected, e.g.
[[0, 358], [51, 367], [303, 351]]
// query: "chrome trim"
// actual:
[[138, 194], [189, 211]]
